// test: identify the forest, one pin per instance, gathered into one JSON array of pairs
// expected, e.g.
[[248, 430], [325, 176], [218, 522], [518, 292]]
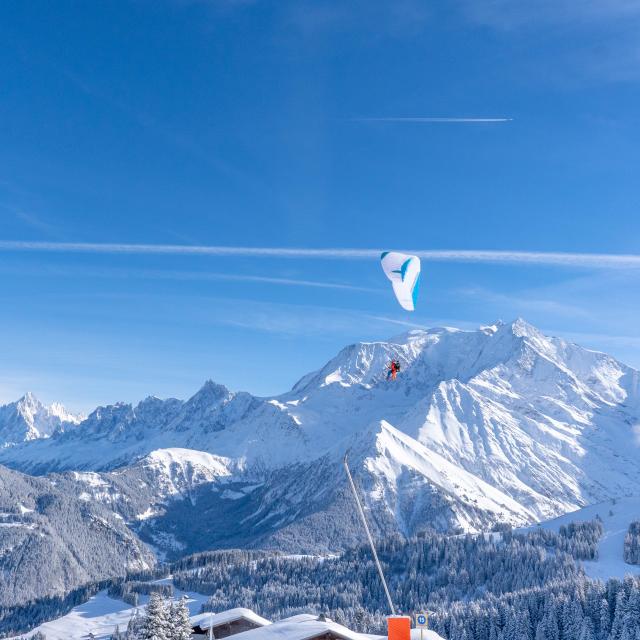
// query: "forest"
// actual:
[[502, 585]]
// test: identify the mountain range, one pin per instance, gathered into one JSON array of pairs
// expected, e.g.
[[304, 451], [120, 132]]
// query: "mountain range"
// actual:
[[498, 425], [28, 419]]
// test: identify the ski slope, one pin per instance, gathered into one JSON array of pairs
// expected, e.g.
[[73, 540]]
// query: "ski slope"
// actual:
[[616, 515], [100, 615]]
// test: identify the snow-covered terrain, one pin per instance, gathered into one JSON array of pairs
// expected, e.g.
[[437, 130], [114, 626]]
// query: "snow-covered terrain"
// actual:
[[100, 615], [501, 424], [616, 515], [29, 419], [51, 542]]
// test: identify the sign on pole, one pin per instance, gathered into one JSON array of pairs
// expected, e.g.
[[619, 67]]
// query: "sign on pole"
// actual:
[[422, 622]]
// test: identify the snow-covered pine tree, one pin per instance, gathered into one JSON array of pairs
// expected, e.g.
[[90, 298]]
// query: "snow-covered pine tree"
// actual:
[[156, 623], [180, 621], [135, 626], [171, 614], [117, 635], [632, 544], [587, 632]]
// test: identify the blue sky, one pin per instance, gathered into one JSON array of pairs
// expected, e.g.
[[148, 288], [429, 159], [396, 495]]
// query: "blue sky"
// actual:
[[250, 123]]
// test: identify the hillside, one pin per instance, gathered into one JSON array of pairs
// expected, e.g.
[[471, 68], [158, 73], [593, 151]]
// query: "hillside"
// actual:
[[51, 542]]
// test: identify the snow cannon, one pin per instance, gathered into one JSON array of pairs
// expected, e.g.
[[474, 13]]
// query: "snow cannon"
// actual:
[[399, 628]]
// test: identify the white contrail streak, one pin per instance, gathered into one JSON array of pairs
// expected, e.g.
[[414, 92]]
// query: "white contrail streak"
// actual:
[[180, 249], [430, 119], [593, 260]]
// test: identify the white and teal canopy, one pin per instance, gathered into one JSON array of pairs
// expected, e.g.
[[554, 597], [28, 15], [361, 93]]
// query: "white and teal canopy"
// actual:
[[404, 272]]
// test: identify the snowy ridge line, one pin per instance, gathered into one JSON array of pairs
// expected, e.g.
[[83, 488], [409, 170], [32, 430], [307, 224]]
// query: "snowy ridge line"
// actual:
[[29, 419], [497, 425], [567, 259]]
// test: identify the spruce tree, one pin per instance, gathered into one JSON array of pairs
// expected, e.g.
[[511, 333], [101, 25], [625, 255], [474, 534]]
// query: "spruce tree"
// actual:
[[180, 621], [587, 632], [156, 624]]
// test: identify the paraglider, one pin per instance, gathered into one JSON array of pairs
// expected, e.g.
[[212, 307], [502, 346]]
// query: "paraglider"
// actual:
[[404, 272]]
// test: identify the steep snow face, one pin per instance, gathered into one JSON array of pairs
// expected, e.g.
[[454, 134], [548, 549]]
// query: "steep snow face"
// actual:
[[498, 423], [402, 473], [177, 472], [143, 490], [29, 419], [548, 422]]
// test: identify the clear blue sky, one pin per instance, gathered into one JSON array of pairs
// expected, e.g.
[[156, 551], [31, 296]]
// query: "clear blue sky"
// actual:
[[252, 123]]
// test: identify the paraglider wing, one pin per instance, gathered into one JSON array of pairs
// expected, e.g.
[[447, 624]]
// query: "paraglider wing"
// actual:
[[404, 272]]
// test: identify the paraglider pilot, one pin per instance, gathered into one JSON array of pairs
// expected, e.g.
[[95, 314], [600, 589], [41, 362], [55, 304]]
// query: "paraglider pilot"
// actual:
[[394, 367]]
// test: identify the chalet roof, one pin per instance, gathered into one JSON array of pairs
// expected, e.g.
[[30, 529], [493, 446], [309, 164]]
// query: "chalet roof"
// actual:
[[203, 620], [302, 627]]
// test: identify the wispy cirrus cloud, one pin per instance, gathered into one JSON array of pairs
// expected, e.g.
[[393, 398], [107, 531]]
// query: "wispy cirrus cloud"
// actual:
[[512, 14], [527, 301], [434, 120], [372, 17], [31, 220], [559, 259], [604, 42]]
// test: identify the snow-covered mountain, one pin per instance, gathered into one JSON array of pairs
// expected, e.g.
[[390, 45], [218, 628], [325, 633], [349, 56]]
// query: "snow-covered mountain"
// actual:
[[501, 424], [52, 542], [28, 419]]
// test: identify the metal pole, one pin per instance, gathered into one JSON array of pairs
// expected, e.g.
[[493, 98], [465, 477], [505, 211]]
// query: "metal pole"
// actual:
[[366, 528]]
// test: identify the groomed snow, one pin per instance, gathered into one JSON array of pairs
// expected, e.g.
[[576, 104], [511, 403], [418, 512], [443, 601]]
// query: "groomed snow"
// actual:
[[616, 515], [100, 615]]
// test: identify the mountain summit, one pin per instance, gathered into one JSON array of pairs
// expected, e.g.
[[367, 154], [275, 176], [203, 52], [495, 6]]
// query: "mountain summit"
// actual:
[[500, 424], [29, 419]]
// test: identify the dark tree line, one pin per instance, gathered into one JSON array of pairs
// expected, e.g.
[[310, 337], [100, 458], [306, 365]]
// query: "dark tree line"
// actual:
[[427, 572], [575, 610], [496, 586], [632, 544]]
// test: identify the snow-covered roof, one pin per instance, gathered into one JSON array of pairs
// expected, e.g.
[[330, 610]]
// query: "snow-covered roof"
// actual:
[[302, 627], [204, 620]]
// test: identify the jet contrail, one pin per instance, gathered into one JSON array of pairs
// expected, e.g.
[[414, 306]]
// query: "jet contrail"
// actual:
[[161, 274], [180, 249], [592, 260], [429, 119]]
